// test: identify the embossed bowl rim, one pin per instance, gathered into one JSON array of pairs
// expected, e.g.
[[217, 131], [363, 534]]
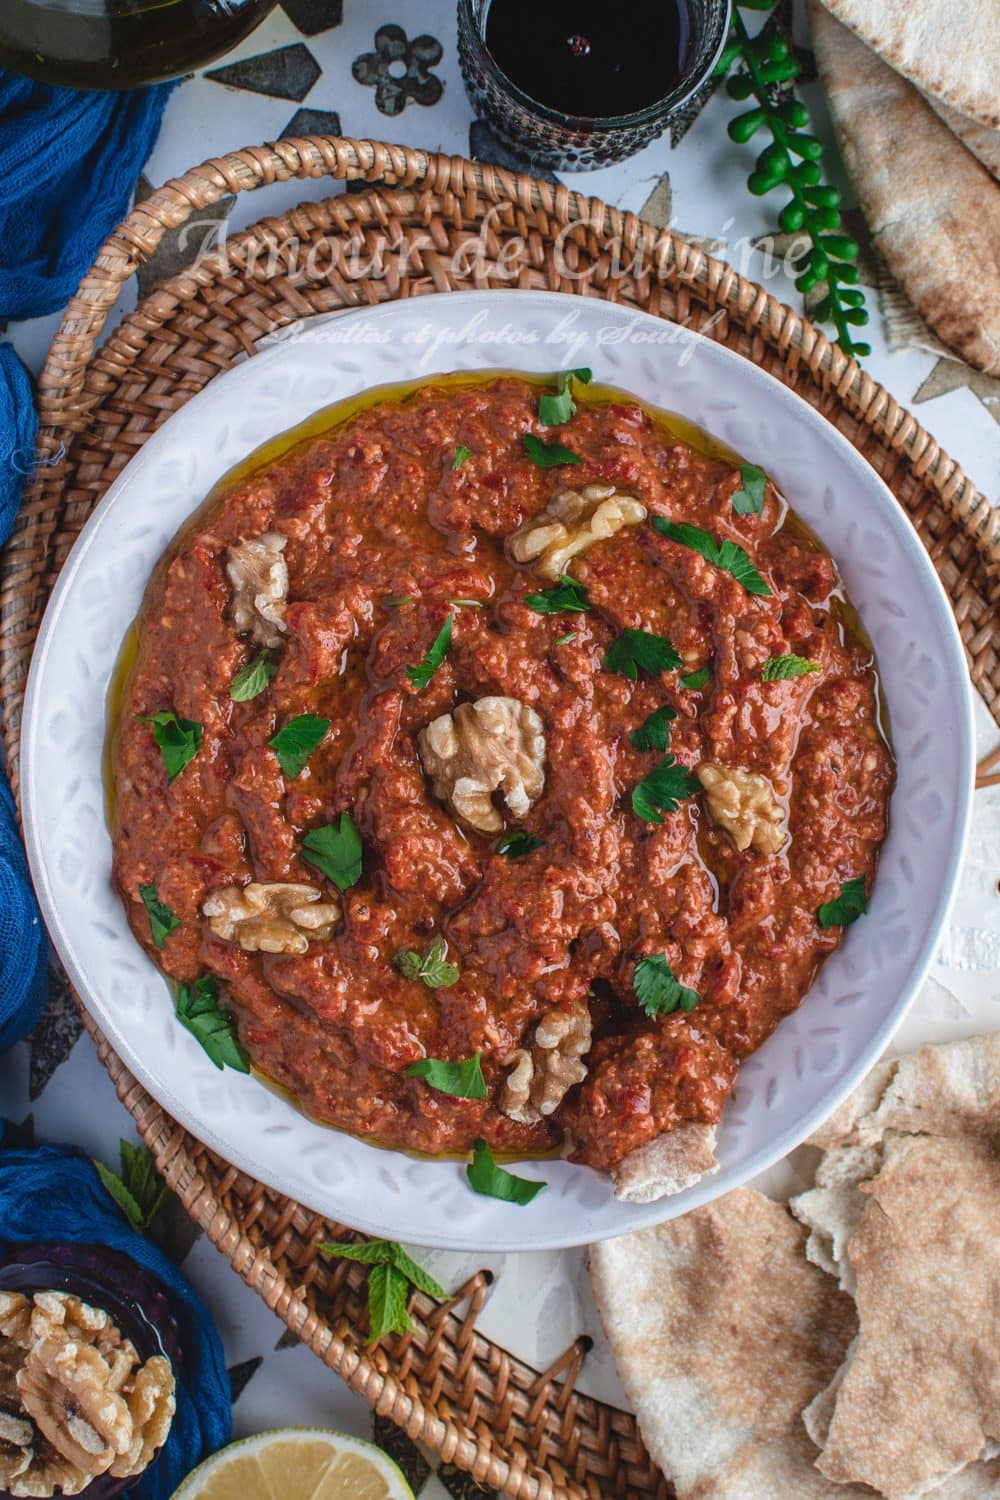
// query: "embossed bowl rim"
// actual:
[[816, 1056]]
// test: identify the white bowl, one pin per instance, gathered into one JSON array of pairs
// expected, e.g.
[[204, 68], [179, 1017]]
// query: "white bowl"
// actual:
[[815, 1057]]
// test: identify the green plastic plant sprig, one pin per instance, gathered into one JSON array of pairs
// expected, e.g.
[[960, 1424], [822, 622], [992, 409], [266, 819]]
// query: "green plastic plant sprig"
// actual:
[[792, 161]]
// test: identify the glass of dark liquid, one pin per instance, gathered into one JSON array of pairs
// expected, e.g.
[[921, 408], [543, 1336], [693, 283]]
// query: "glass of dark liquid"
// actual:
[[579, 84]]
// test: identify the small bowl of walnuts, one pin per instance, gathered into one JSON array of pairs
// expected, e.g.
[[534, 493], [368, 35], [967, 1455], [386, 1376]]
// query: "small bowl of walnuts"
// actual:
[[89, 1351]]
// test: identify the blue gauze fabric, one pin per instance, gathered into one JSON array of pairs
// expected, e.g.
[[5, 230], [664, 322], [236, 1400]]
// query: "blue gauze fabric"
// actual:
[[68, 167], [52, 1193]]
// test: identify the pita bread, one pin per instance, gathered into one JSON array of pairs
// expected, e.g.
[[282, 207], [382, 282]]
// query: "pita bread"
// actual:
[[933, 210], [948, 47], [722, 1332], [983, 142], [918, 1396], [668, 1164]]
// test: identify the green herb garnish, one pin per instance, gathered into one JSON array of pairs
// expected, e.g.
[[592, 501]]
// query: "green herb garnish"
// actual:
[[432, 968], [468, 603], [335, 850], [781, 668], [792, 161], [654, 732], [179, 739], [564, 640], [548, 455], [635, 649], [656, 989], [295, 742], [251, 680], [847, 907], [695, 681], [462, 1080], [565, 597], [199, 1010], [392, 1274], [397, 603], [421, 673], [494, 1182], [518, 842], [554, 410], [137, 1190], [727, 555], [749, 499], [662, 790], [162, 921], [462, 455]]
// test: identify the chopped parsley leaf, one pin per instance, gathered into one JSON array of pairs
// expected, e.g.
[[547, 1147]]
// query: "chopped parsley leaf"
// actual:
[[654, 732], [495, 1182], [727, 555], [462, 1080], [845, 908], [199, 1010], [462, 454], [635, 649], [548, 455], [251, 680], [695, 681], [554, 410], [781, 668], [565, 597], [296, 741], [335, 850], [656, 989], [421, 672], [518, 842], [661, 791], [162, 921], [748, 500], [179, 740]]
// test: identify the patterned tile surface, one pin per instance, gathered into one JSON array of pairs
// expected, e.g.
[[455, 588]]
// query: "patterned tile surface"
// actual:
[[357, 65]]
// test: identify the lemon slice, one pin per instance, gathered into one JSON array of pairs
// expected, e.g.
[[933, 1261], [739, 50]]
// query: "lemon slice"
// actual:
[[297, 1463]]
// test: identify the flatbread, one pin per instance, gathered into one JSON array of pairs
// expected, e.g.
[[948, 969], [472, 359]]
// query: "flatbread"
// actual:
[[982, 141], [722, 1332], [918, 1396], [668, 1164], [947, 47], [933, 209]]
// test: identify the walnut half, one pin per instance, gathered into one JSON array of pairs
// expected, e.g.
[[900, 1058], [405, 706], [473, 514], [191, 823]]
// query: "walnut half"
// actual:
[[572, 522], [259, 575], [547, 1069], [278, 918], [494, 744], [745, 805]]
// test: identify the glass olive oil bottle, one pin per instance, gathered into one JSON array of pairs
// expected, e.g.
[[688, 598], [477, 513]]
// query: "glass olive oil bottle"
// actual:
[[116, 44]]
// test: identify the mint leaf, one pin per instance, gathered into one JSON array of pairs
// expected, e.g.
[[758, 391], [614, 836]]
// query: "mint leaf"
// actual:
[[494, 1182], [656, 989], [695, 681], [179, 740], [661, 791], [781, 668], [635, 649], [388, 1294], [138, 1192], [162, 921], [462, 1080], [727, 555], [847, 907], [432, 969], [199, 1010], [549, 455], [296, 741], [117, 1190], [518, 842], [389, 1253], [336, 851], [421, 673], [749, 499], [251, 680], [462, 455], [565, 597], [554, 410], [654, 733]]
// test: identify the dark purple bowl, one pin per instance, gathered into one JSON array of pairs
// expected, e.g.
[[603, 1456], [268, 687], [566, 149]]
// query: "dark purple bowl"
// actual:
[[133, 1298]]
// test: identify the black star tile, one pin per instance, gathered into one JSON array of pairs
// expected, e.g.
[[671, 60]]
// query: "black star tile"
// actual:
[[20, 1135], [241, 1375], [361, 185], [179, 247], [462, 1486], [288, 1340], [285, 73], [313, 122], [176, 1231], [485, 146], [56, 1033], [312, 16], [403, 1451]]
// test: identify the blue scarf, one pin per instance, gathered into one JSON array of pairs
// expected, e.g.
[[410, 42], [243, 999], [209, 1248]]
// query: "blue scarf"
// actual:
[[68, 167]]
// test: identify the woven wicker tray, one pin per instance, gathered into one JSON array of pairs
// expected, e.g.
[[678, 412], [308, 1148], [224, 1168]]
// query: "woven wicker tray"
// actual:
[[433, 224]]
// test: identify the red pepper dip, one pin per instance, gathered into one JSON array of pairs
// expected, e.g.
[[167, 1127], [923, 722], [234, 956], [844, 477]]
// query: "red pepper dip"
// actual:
[[606, 847]]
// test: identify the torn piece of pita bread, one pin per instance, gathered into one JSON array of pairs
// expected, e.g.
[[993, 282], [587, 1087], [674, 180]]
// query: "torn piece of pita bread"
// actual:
[[982, 141], [668, 1164], [722, 1332], [918, 1395], [933, 209], [948, 47]]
